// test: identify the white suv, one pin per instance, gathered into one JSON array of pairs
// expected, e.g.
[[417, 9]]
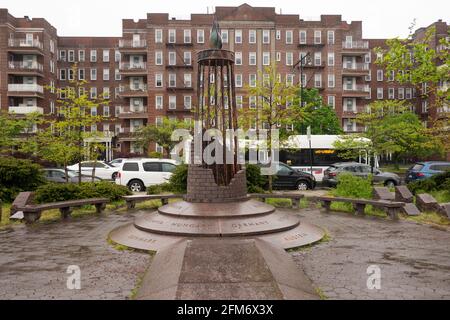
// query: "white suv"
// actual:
[[139, 173]]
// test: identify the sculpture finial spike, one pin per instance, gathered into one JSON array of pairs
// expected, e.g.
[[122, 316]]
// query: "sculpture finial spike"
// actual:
[[215, 40]]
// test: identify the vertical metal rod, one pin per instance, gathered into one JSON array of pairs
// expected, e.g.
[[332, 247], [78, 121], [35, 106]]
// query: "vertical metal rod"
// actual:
[[235, 124], [230, 118], [224, 133]]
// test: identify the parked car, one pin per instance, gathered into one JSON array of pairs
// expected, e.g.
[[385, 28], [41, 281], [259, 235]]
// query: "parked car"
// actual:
[[360, 170], [139, 173], [290, 178], [117, 162], [423, 170], [103, 170], [59, 176]]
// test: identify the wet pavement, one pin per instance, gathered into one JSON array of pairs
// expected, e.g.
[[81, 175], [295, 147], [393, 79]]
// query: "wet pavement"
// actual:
[[413, 259]]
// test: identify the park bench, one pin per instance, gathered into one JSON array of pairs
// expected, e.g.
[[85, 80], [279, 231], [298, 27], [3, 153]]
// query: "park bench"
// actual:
[[295, 198], [132, 200], [359, 205], [32, 213]]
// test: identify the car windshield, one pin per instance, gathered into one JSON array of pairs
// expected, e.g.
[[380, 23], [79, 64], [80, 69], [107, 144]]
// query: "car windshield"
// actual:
[[109, 165], [417, 167]]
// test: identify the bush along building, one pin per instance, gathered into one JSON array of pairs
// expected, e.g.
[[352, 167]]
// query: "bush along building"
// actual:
[[150, 72]]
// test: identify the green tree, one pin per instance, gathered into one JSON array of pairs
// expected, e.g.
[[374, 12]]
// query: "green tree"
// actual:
[[14, 129], [160, 133]]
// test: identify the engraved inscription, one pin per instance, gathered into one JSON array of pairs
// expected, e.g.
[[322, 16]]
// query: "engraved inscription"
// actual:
[[249, 224], [295, 237], [148, 240]]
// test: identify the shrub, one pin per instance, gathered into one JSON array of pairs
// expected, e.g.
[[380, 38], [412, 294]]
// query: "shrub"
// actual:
[[17, 175], [53, 192], [439, 182], [353, 187], [255, 181], [155, 154], [159, 188], [178, 180]]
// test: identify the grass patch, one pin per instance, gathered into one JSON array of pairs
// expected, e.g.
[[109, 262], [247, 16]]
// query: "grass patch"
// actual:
[[325, 239], [441, 196], [320, 293], [279, 203], [432, 218]]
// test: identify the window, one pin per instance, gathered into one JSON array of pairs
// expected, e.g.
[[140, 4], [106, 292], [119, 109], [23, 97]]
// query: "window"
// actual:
[[106, 94], [239, 80], [93, 74], [81, 74], [81, 55], [224, 35], [187, 80], [278, 35], [317, 37], [172, 102], [252, 36], [266, 36], [158, 58], [152, 166], [408, 93], [159, 102], [252, 58], [117, 56], [105, 55], [93, 55], [106, 113], [62, 74], [52, 46], [62, 55], [252, 80], [368, 57], [349, 104], [172, 58], [391, 75], [252, 102], [239, 102], [289, 59], [93, 93], [278, 56], [289, 37], [168, 167], [187, 58], [200, 36], [391, 93], [238, 58], [332, 101], [331, 81], [52, 66], [289, 80], [105, 74], [158, 36], [130, 166], [368, 77], [71, 55], [330, 59], [117, 111], [238, 36], [187, 36], [349, 125], [401, 93], [187, 102], [330, 37], [70, 75], [266, 58], [302, 36], [379, 93], [317, 58], [379, 75], [52, 107], [117, 75], [172, 35], [317, 80], [424, 106], [158, 80], [172, 80]]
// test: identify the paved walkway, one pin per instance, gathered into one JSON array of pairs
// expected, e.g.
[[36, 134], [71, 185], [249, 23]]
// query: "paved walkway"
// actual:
[[414, 260]]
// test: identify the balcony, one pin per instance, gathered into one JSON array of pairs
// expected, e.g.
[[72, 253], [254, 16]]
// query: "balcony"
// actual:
[[358, 91], [180, 110], [131, 69], [25, 109], [127, 134], [355, 70], [132, 46], [133, 91], [313, 45], [25, 90], [355, 48], [179, 44], [25, 68], [132, 112], [24, 46], [314, 65]]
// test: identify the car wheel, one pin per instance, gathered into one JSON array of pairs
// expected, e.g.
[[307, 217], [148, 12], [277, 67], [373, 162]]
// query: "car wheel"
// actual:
[[136, 186], [390, 184], [114, 175], [302, 185]]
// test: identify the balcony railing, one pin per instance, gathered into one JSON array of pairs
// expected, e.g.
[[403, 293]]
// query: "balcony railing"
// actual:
[[137, 88], [355, 44], [24, 43], [356, 67], [25, 66], [133, 66], [132, 43], [357, 88], [133, 109], [25, 109], [25, 88]]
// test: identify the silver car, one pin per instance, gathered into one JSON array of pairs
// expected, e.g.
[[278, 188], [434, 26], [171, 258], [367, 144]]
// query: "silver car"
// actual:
[[360, 170], [59, 176]]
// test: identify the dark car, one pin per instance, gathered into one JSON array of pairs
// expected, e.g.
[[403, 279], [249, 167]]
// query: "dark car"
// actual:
[[330, 175], [423, 170], [59, 176], [290, 178]]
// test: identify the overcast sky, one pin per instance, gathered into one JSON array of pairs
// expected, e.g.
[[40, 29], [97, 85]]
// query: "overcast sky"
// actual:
[[381, 18]]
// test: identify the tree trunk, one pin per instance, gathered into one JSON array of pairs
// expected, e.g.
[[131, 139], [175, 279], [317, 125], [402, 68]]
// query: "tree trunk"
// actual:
[[93, 169], [66, 171]]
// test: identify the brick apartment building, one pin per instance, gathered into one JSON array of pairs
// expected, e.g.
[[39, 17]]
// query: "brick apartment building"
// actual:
[[150, 72]]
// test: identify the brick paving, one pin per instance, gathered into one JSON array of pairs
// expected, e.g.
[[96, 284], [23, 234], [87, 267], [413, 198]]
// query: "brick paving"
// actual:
[[414, 259]]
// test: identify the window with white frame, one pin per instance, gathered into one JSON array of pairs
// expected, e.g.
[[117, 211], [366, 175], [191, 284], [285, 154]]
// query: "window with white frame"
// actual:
[[158, 58], [187, 36], [81, 56], [93, 93], [252, 80], [330, 36], [117, 75], [187, 102], [391, 75], [367, 57], [252, 102], [331, 101], [278, 35], [159, 102], [94, 74], [172, 102], [278, 56], [172, 58], [93, 55], [158, 36], [425, 106], [330, 59], [391, 93], [317, 37], [239, 102], [350, 104], [380, 93], [238, 58], [70, 75], [117, 56], [290, 79], [302, 36], [172, 35], [239, 80], [62, 74], [172, 80], [81, 74], [408, 93], [331, 81], [187, 58], [106, 113], [105, 74], [158, 80], [251, 36], [379, 75], [317, 58], [238, 36], [52, 107], [62, 55], [200, 36], [266, 58], [289, 37], [349, 125], [117, 111], [224, 35], [71, 57], [252, 58], [368, 77], [401, 93], [318, 80], [289, 59], [52, 66], [187, 78], [266, 36], [106, 55]]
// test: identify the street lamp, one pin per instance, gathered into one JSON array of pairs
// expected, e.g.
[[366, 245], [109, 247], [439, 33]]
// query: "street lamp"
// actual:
[[306, 59]]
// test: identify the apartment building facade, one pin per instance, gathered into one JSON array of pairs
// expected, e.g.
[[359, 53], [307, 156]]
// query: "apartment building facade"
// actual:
[[150, 71]]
